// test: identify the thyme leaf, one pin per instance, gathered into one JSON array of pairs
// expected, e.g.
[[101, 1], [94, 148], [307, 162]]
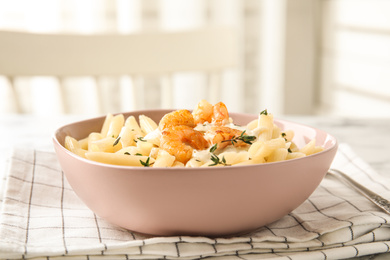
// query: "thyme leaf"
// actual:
[[217, 161], [248, 139], [141, 139], [213, 148], [145, 164], [117, 141], [264, 112]]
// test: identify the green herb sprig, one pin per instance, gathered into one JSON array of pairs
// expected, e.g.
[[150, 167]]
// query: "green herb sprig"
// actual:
[[248, 139], [216, 160], [213, 148], [116, 141], [140, 139], [147, 163]]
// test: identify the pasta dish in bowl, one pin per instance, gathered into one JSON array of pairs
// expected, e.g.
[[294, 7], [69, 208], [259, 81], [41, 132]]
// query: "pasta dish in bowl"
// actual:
[[205, 172]]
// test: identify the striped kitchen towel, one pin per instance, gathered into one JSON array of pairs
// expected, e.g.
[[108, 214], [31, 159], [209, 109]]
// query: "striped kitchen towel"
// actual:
[[42, 218]]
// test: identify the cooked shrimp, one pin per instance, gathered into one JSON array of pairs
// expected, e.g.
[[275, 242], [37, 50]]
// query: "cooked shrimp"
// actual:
[[223, 136], [175, 118], [205, 112], [220, 114], [180, 141]]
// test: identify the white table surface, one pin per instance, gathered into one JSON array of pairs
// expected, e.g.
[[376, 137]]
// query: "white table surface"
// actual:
[[369, 138]]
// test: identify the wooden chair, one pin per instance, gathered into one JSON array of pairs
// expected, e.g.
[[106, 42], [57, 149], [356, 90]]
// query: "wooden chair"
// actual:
[[210, 50]]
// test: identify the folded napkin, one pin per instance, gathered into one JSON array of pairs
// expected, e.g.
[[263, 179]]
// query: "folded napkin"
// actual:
[[42, 218]]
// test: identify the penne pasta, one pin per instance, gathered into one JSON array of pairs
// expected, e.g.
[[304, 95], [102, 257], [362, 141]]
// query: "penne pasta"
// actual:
[[107, 144], [128, 142], [279, 154], [127, 136], [147, 124], [93, 137], [266, 123], [84, 143], [115, 126], [144, 147], [164, 159], [253, 124], [74, 146], [132, 124], [295, 155], [106, 124], [119, 159], [308, 149]]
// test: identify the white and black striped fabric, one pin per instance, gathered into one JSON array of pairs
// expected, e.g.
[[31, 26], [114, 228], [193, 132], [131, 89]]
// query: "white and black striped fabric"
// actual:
[[42, 218]]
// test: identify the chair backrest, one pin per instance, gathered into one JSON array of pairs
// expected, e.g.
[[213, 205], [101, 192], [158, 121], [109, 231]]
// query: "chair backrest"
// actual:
[[146, 53], [28, 54]]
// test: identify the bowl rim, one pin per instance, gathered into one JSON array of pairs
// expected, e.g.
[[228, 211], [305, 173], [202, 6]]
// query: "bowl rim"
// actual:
[[334, 145]]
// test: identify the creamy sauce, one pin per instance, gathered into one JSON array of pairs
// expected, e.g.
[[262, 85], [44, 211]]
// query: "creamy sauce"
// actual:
[[203, 156]]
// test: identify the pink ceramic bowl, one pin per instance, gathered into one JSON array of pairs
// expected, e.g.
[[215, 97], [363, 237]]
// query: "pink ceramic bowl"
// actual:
[[212, 201]]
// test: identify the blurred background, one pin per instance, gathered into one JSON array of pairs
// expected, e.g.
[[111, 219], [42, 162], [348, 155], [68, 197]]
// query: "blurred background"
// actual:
[[296, 57]]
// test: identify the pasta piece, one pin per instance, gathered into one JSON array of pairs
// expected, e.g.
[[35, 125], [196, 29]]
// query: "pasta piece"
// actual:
[[318, 149], [276, 132], [210, 163], [115, 126], [232, 158], [92, 137], [194, 162], [164, 159], [147, 124], [265, 122], [74, 146], [132, 124], [254, 149], [71, 144], [127, 136], [279, 154], [154, 152], [276, 143], [294, 147], [308, 149], [178, 164], [144, 147], [129, 150], [250, 162], [106, 124], [107, 144], [253, 124], [119, 159], [154, 137], [295, 155], [264, 149], [84, 143], [288, 135]]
